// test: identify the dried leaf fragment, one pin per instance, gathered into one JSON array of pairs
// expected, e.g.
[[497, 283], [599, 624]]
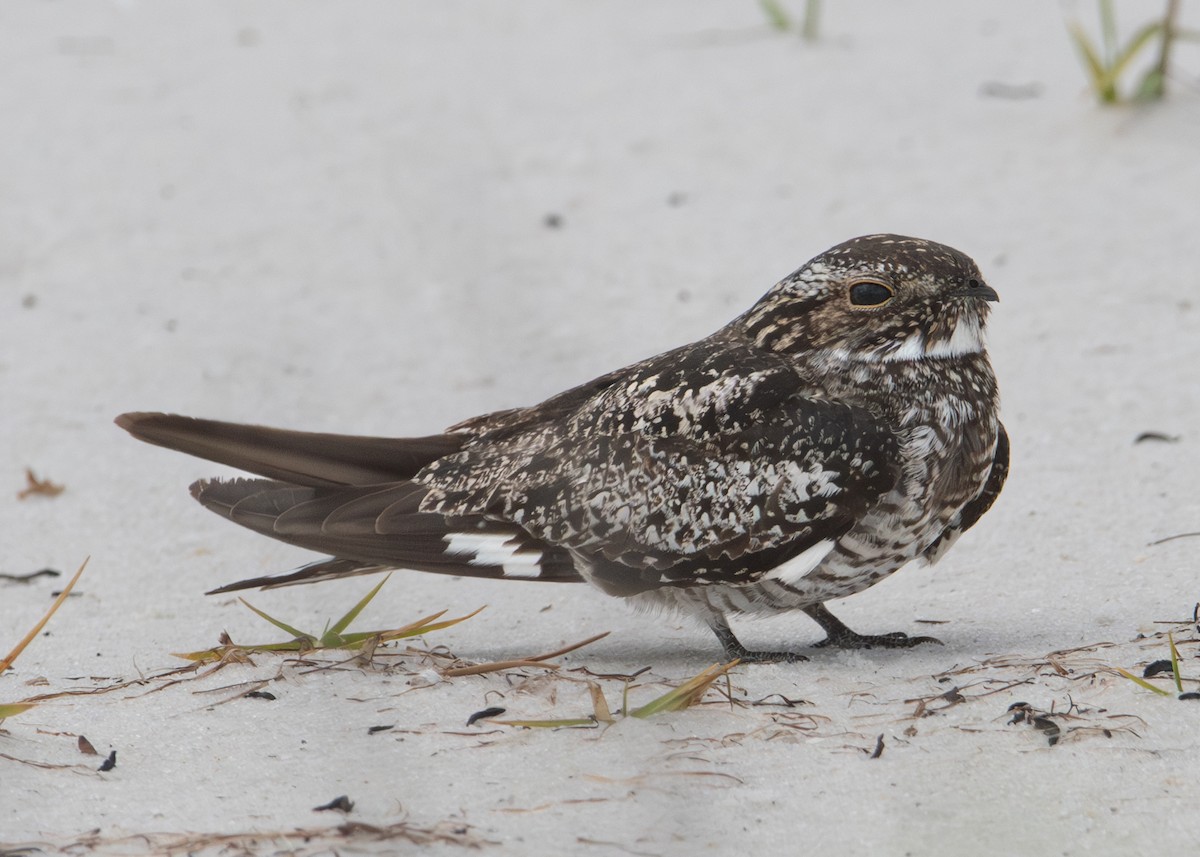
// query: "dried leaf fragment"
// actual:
[[39, 487]]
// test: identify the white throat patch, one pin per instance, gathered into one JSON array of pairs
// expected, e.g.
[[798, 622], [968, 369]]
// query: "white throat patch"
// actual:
[[967, 338]]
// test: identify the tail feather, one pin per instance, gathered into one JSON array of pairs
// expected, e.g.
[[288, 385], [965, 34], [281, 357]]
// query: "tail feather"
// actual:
[[326, 569], [302, 458], [341, 521]]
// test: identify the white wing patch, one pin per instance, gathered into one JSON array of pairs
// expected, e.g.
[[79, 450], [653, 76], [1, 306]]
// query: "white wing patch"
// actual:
[[798, 567], [494, 549]]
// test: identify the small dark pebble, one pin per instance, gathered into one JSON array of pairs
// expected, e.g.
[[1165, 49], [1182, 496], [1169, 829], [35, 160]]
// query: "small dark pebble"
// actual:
[[371, 730], [1156, 435], [110, 762], [1191, 694], [341, 803], [1157, 667], [552, 221], [485, 713], [261, 694]]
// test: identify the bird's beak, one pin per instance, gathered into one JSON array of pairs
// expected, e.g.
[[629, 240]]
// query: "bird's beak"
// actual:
[[977, 289]]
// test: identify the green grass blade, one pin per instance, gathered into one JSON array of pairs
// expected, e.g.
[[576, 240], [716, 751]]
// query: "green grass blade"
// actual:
[[283, 626], [1175, 662], [810, 29], [573, 722], [425, 625], [1138, 680], [776, 16], [1091, 60], [302, 642], [1152, 86], [352, 614], [14, 708], [1134, 47], [1108, 29], [687, 694]]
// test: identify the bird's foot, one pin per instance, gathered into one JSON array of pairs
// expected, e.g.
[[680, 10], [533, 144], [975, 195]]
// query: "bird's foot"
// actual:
[[852, 640], [734, 650], [839, 636]]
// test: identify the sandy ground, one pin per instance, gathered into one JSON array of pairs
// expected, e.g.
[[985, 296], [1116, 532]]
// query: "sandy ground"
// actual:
[[385, 217]]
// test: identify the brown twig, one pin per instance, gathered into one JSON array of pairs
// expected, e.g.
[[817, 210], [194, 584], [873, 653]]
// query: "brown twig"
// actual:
[[536, 661]]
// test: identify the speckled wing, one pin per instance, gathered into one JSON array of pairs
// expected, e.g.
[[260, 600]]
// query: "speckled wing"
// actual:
[[704, 465]]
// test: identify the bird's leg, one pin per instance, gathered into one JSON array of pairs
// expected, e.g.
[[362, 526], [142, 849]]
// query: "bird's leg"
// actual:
[[842, 637], [734, 648]]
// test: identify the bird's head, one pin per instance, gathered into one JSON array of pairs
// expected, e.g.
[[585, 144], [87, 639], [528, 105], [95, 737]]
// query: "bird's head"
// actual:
[[878, 297]]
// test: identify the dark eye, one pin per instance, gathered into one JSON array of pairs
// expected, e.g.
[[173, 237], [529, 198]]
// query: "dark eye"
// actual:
[[870, 294]]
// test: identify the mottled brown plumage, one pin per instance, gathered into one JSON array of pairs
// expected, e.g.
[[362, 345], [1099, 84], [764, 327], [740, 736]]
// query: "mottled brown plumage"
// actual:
[[843, 427]]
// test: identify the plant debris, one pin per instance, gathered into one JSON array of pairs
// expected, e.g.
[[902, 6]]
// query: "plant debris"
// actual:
[[333, 638], [32, 575], [535, 661], [35, 487], [878, 751], [1158, 436], [307, 842]]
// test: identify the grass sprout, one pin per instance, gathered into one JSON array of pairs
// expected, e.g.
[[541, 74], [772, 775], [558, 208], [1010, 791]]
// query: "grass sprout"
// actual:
[[1174, 672], [333, 637], [780, 20], [1108, 62], [677, 699], [687, 694]]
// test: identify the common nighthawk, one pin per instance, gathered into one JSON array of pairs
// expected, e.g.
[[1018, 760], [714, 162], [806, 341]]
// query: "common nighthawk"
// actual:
[[844, 426]]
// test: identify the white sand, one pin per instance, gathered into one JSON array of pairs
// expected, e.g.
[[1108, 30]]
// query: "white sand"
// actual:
[[332, 217]]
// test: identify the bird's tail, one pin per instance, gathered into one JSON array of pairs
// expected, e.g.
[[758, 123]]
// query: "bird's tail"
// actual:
[[303, 458], [369, 528]]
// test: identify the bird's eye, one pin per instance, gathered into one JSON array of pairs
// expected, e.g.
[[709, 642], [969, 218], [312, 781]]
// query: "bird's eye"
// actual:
[[870, 294]]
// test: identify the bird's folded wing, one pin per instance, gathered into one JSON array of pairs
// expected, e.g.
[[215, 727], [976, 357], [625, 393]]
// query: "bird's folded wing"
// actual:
[[719, 473]]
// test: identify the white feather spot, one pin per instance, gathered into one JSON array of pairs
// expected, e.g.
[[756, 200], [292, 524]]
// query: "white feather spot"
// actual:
[[494, 549], [798, 567], [913, 348]]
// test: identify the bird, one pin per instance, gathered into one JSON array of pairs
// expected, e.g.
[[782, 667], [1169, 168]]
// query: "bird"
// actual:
[[843, 427]]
